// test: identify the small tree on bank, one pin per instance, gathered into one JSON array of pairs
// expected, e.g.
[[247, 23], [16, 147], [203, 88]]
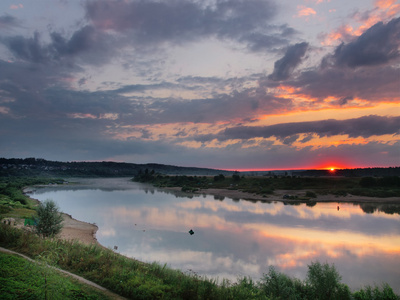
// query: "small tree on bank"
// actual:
[[49, 219]]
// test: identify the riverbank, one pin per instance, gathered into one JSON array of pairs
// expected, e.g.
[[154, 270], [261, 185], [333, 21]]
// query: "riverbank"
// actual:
[[78, 230], [279, 196], [73, 229]]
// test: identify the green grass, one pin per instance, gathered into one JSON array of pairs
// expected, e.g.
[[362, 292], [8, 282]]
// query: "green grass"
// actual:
[[23, 279], [137, 280]]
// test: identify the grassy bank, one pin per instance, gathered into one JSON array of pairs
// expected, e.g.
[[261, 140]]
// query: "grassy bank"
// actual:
[[137, 280], [22, 279], [13, 202]]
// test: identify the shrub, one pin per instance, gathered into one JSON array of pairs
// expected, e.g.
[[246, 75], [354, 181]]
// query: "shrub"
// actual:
[[280, 286], [369, 293], [219, 177], [323, 282], [311, 194], [48, 219]]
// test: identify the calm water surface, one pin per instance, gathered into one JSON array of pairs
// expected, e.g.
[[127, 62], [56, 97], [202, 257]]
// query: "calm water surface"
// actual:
[[234, 237]]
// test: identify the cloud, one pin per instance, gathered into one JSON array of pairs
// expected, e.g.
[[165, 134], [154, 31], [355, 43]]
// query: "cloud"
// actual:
[[303, 11], [289, 132], [359, 83], [16, 6], [7, 21], [28, 49], [177, 22], [376, 46], [284, 67], [86, 42]]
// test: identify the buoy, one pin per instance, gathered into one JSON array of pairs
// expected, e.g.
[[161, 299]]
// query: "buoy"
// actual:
[[191, 232]]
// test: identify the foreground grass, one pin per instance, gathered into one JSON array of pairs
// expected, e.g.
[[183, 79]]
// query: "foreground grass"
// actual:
[[23, 279], [138, 280]]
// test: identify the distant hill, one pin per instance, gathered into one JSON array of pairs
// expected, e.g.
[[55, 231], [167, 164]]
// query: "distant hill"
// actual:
[[45, 168], [40, 167]]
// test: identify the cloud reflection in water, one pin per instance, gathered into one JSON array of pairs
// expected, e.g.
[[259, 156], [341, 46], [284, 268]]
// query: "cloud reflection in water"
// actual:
[[238, 238]]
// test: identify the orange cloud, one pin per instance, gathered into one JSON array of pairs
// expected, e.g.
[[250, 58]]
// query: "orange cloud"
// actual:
[[342, 33], [81, 116], [304, 11], [390, 7], [383, 11]]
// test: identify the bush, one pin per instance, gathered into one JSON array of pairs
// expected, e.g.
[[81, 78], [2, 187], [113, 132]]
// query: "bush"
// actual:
[[48, 219], [324, 283], [369, 293], [280, 286], [311, 194], [219, 177]]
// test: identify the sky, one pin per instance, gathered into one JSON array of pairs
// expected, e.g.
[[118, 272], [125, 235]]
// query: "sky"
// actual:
[[225, 84]]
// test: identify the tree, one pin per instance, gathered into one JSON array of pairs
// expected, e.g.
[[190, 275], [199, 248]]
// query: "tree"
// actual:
[[48, 219], [324, 282]]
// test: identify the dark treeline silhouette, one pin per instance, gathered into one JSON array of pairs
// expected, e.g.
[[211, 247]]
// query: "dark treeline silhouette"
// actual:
[[357, 172], [45, 168], [41, 167]]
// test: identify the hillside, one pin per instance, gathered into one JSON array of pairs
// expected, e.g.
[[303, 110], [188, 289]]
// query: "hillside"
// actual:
[[45, 168]]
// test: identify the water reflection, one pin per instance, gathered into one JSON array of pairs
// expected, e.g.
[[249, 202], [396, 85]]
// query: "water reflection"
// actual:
[[236, 238]]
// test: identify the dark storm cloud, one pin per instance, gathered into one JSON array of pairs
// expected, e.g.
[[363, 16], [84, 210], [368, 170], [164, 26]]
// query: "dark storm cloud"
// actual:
[[81, 40], [284, 67], [366, 69], [28, 49], [151, 22], [7, 21], [346, 83], [37, 99], [288, 132], [222, 107], [378, 45], [90, 44]]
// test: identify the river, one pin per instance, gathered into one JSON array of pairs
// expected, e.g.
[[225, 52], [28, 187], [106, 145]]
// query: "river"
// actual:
[[234, 238]]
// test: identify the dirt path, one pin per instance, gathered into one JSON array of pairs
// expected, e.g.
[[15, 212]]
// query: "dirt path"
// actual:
[[79, 278]]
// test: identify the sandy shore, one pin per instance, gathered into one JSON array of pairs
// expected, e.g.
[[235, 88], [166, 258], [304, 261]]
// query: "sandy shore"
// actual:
[[79, 231]]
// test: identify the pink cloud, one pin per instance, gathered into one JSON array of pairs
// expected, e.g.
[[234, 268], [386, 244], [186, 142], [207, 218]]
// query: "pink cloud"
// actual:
[[383, 11], [304, 11], [16, 6]]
